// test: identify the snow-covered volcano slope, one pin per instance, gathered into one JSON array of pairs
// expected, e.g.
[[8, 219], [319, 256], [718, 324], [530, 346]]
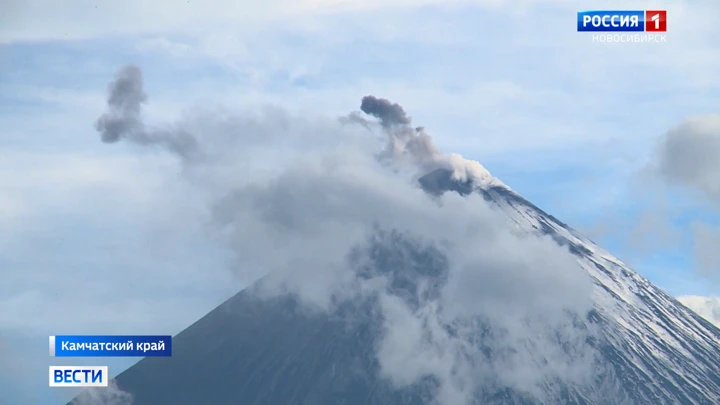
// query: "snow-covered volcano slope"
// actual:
[[271, 352], [663, 352]]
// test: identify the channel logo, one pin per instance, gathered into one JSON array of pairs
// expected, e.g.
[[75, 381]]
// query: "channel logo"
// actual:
[[79, 376], [622, 21]]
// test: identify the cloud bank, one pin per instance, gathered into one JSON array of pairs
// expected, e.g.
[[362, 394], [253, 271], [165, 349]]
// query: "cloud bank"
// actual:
[[333, 212]]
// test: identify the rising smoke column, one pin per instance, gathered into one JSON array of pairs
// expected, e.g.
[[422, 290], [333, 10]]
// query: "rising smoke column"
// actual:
[[123, 120], [406, 145], [413, 145]]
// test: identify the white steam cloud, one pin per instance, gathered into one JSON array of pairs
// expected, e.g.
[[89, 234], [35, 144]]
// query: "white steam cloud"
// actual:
[[110, 395], [707, 307], [334, 215]]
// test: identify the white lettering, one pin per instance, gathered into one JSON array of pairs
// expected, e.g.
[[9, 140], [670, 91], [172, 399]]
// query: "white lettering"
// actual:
[[634, 21], [629, 38], [65, 346], [146, 346], [586, 20], [78, 376]]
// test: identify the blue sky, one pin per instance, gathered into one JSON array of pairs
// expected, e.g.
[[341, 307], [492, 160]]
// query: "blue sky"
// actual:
[[568, 123]]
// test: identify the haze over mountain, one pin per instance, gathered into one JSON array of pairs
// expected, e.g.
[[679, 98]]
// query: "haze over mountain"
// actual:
[[392, 272]]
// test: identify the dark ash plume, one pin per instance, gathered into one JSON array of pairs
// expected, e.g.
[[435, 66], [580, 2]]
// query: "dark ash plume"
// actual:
[[124, 105], [388, 113], [123, 120], [413, 145]]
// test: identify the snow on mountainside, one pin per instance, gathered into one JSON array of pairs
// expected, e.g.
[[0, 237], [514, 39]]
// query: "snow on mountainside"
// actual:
[[669, 354]]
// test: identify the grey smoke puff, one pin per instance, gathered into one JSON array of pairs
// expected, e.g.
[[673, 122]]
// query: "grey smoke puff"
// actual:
[[123, 120], [388, 113], [407, 144], [404, 142], [689, 155], [355, 118], [124, 105]]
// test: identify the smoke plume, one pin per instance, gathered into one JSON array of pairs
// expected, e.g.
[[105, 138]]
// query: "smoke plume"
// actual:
[[408, 145], [124, 117], [389, 113], [313, 203]]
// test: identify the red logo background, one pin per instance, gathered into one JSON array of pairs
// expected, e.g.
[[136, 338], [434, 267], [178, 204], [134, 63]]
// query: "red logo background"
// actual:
[[650, 25]]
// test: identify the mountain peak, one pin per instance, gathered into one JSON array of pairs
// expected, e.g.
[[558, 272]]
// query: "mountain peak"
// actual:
[[471, 170], [460, 175]]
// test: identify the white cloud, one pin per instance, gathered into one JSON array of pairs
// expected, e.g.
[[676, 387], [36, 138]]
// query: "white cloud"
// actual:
[[164, 45], [707, 307], [111, 395], [45, 19]]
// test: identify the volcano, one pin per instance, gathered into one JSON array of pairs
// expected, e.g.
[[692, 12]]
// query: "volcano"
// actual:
[[271, 351]]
